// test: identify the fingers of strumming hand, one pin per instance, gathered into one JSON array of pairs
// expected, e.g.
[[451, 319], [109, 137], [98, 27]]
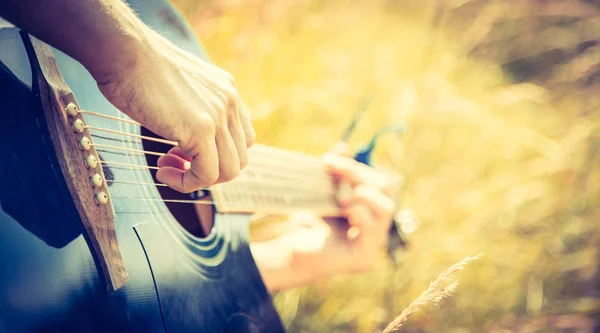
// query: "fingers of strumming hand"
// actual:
[[239, 138], [246, 123], [229, 163], [203, 170], [174, 161]]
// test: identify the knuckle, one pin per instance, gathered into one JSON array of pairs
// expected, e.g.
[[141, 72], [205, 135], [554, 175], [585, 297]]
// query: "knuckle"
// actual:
[[228, 175], [188, 144], [186, 188], [232, 101], [227, 80], [206, 125], [229, 85], [243, 160], [250, 137], [232, 115], [231, 80], [211, 178]]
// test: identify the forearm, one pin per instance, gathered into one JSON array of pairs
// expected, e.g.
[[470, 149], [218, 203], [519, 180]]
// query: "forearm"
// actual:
[[97, 33]]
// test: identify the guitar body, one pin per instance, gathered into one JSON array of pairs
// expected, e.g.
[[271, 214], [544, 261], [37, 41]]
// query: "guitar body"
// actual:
[[49, 279]]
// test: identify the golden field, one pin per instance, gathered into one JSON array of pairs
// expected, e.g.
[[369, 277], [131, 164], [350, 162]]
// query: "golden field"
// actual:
[[500, 156]]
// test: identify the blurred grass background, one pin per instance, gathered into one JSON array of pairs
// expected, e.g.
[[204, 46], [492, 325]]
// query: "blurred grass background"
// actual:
[[500, 99]]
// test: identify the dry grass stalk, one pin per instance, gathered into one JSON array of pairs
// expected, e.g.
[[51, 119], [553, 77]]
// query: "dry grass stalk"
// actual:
[[440, 288]]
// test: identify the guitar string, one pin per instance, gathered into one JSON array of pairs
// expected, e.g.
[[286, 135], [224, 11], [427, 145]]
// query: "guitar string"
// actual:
[[172, 142], [279, 208], [273, 160], [289, 154], [329, 190], [149, 138], [204, 189], [229, 186], [200, 201], [323, 184], [130, 166], [329, 211], [157, 154], [236, 182], [128, 149], [290, 166], [112, 181], [108, 117]]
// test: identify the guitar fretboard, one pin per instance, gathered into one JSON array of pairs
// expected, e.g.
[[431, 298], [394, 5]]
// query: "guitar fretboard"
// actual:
[[278, 181]]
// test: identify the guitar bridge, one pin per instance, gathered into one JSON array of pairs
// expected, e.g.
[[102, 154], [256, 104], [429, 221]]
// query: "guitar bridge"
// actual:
[[79, 163]]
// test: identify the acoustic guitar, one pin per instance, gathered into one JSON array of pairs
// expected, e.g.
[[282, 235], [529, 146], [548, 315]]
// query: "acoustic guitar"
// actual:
[[91, 242]]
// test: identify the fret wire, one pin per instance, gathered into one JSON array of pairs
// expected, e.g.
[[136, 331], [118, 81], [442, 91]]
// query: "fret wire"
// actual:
[[289, 154], [267, 171]]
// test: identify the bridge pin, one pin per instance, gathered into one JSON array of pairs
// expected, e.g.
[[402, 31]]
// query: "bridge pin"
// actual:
[[71, 109], [96, 180], [78, 126], [91, 162], [85, 143], [101, 198]]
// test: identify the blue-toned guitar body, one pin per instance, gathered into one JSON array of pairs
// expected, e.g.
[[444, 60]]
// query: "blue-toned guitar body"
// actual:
[[49, 281]]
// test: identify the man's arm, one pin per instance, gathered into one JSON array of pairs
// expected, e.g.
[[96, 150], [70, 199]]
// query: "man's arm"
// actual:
[[103, 36], [171, 92]]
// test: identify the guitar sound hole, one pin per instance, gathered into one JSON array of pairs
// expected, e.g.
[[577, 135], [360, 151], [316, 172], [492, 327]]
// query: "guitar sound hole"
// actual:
[[184, 213]]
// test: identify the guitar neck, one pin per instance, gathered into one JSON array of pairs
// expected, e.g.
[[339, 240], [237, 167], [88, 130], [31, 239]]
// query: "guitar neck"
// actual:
[[278, 181]]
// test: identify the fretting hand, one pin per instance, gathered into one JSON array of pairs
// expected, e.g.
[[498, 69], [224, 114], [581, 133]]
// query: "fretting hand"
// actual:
[[313, 248], [359, 239]]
